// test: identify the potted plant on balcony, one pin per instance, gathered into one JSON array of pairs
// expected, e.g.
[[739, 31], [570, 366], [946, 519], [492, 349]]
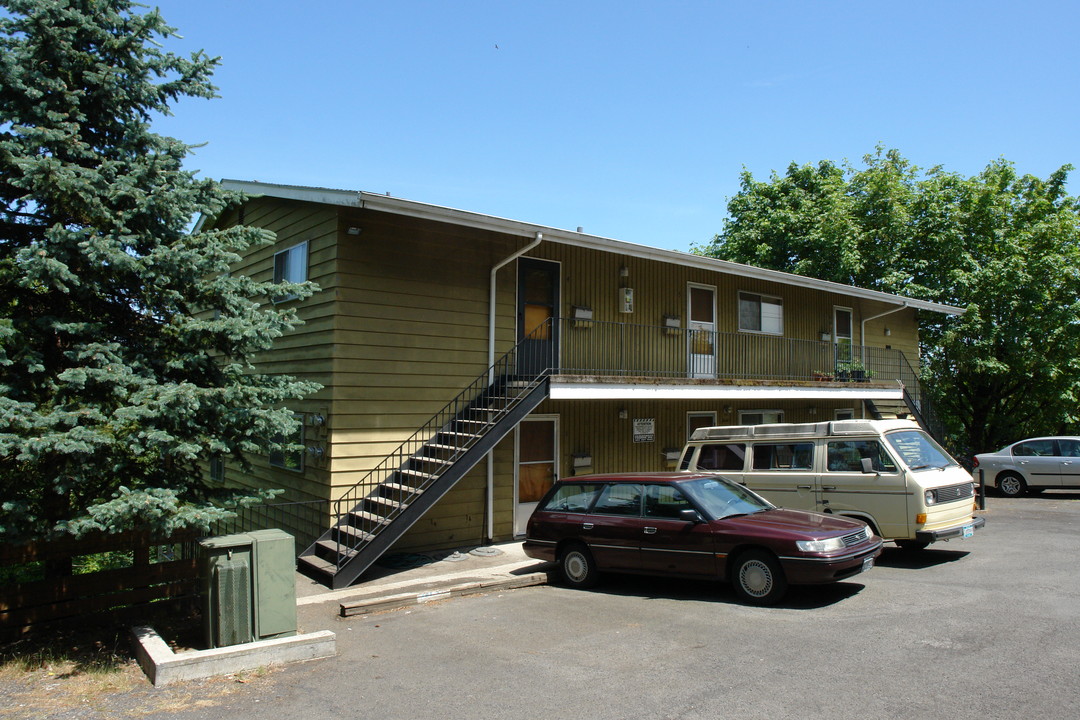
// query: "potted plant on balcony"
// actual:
[[854, 370]]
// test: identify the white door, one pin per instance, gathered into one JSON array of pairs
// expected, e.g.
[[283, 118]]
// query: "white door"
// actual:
[[843, 337], [537, 465], [701, 338]]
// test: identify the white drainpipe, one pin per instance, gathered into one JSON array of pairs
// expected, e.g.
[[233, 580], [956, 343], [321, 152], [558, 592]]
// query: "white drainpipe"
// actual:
[[862, 327], [491, 361]]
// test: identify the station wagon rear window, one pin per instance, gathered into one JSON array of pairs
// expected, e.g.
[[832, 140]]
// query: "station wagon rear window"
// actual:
[[573, 498], [784, 456], [722, 457]]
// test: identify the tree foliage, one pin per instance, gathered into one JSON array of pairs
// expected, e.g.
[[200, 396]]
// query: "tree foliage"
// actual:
[[1002, 245], [125, 344]]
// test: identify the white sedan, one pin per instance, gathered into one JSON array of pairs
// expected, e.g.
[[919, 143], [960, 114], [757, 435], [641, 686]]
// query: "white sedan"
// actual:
[[1032, 465]]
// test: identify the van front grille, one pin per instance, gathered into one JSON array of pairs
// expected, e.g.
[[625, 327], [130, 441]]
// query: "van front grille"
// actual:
[[955, 492]]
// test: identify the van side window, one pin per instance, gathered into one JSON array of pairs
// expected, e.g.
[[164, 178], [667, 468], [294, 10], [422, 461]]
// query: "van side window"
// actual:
[[722, 457], [784, 456], [619, 500], [576, 497], [847, 455]]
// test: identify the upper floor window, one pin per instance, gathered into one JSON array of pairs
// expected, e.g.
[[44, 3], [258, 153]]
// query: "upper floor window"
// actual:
[[761, 313], [291, 266]]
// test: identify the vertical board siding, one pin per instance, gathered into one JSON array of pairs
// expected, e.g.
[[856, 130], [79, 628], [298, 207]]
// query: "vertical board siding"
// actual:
[[400, 326]]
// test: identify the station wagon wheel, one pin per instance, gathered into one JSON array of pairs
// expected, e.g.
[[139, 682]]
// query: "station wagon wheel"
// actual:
[[1011, 485], [758, 578], [577, 566]]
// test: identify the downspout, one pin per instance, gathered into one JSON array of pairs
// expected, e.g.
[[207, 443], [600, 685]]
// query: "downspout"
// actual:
[[490, 499], [862, 327]]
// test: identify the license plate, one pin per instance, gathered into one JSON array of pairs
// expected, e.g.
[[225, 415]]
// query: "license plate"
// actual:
[[867, 564], [969, 530]]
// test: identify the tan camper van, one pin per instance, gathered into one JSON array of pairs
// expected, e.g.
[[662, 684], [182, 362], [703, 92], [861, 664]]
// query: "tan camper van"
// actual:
[[889, 473]]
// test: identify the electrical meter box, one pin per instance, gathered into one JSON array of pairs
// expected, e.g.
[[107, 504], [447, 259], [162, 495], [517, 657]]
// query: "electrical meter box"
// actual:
[[248, 587]]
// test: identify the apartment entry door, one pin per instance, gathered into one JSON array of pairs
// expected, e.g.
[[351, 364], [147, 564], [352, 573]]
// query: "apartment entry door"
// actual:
[[537, 315], [701, 335], [537, 465]]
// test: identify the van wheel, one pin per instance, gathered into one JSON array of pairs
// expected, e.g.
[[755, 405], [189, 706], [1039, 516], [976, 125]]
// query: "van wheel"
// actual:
[[1011, 485], [577, 567], [758, 578]]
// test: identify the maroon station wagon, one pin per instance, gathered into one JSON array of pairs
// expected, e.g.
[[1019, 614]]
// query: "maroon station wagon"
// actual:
[[694, 526]]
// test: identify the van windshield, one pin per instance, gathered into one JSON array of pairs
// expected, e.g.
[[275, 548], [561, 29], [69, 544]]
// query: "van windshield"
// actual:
[[721, 498], [919, 451]]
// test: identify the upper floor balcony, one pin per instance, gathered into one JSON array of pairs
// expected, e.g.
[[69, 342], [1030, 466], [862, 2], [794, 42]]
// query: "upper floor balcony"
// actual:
[[591, 359]]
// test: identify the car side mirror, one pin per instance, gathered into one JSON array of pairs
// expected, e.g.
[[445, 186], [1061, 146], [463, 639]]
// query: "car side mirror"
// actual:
[[690, 516], [868, 466]]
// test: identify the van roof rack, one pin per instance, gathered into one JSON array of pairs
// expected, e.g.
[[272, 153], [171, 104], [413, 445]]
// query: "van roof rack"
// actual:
[[819, 429]]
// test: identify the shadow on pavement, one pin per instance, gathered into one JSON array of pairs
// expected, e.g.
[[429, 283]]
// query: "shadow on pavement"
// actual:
[[799, 597], [918, 559]]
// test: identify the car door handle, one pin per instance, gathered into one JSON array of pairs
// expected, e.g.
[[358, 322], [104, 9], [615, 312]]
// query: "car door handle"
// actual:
[[804, 487], [650, 531], [586, 526], [828, 487]]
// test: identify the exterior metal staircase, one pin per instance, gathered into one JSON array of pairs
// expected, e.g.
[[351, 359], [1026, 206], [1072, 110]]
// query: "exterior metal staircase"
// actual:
[[379, 509], [916, 402]]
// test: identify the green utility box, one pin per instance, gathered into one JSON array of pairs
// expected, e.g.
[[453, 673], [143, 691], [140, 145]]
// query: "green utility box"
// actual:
[[248, 587]]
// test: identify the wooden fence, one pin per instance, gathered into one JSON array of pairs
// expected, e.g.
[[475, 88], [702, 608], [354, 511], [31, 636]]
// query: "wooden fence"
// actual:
[[158, 575]]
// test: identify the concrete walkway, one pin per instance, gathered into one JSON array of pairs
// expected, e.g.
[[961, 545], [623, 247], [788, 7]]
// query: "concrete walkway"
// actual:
[[409, 579]]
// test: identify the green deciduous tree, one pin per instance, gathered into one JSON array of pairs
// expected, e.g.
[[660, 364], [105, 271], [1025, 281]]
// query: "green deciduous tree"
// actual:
[[1004, 246], [125, 344]]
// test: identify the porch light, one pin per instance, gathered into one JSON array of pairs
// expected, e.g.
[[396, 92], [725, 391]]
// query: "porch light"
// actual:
[[582, 460], [623, 414], [671, 455], [672, 324]]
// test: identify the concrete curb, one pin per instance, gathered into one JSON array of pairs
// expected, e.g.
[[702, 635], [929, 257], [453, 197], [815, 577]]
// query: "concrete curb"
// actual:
[[163, 666], [361, 606]]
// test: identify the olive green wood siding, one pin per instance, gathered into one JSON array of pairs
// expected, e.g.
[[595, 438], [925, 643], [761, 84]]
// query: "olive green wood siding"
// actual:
[[400, 327], [305, 352]]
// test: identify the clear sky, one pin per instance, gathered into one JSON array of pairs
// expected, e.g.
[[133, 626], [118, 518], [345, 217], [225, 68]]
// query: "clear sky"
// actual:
[[632, 120]]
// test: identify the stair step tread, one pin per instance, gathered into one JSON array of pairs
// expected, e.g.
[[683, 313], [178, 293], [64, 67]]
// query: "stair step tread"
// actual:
[[400, 488], [370, 517], [353, 532], [413, 473], [430, 459], [378, 500], [335, 548], [318, 563]]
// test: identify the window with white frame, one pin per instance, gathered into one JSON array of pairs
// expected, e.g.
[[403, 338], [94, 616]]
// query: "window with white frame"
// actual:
[[760, 417], [761, 313], [291, 265]]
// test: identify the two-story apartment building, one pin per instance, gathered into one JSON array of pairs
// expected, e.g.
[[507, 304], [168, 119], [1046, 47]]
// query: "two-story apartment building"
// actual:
[[469, 360]]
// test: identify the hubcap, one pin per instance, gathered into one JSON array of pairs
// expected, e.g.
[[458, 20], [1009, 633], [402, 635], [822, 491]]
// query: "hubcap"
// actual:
[[1010, 485], [576, 567], [756, 578]]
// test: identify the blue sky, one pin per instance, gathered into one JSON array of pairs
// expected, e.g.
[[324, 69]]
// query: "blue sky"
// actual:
[[632, 120]]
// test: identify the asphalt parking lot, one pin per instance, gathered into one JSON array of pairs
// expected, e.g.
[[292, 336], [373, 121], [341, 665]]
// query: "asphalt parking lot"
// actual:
[[981, 628]]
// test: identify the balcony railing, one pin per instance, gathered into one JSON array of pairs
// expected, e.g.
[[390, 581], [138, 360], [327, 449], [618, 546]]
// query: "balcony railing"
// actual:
[[590, 347]]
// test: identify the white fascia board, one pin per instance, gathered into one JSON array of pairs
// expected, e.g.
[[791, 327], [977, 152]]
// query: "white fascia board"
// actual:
[[324, 196], [439, 213], [616, 391]]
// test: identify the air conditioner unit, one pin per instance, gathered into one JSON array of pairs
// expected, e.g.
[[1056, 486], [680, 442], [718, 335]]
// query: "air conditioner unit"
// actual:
[[248, 587]]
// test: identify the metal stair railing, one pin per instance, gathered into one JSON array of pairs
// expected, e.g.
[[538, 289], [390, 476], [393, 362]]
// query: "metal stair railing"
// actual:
[[918, 401], [418, 463]]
